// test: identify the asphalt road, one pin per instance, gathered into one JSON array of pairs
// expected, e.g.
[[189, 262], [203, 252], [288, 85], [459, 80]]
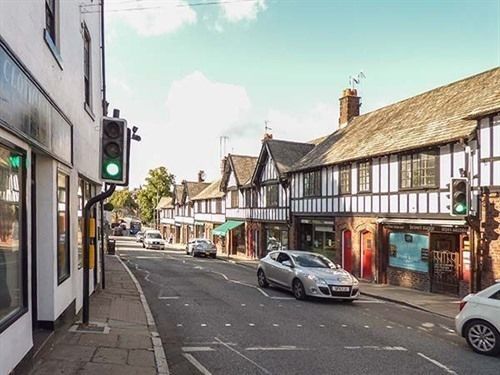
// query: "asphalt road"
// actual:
[[213, 319]]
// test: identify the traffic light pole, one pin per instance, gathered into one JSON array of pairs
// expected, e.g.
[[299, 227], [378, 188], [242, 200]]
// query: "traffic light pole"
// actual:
[[86, 249]]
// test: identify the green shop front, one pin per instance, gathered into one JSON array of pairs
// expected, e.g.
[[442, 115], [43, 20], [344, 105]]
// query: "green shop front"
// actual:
[[231, 237]]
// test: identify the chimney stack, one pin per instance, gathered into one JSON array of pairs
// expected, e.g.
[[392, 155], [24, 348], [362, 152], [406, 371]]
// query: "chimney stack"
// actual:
[[349, 106], [267, 136], [201, 176]]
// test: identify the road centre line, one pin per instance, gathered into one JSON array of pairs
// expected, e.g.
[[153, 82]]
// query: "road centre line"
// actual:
[[278, 348], [438, 364], [171, 297], [265, 371], [202, 369]]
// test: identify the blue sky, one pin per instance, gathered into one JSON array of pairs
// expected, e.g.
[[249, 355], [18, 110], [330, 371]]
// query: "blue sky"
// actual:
[[188, 74]]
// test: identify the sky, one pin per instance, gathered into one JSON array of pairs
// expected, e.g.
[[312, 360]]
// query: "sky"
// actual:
[[188, 72]]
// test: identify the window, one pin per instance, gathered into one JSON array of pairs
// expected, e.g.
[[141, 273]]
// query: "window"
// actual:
[[255, 198], [312, 184], [12, 247], [272, 195], [235, 199], [199, 208], [50, 19], [248, 198], [496, 296], [365, 177], [218, 206], [345, 179], [418, 170], [63, 257], [87, 67]]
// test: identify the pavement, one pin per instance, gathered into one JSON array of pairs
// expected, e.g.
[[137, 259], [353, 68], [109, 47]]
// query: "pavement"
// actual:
[[129, 344], [214, 319]]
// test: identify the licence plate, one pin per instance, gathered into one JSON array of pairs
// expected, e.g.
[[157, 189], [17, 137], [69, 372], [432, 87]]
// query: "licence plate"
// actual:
[[340, 288]]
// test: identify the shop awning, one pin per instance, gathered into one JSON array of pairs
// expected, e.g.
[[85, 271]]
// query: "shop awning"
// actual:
[[221, 230]]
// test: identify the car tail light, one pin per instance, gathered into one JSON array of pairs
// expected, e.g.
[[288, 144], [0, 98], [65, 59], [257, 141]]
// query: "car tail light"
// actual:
[[462, 305]]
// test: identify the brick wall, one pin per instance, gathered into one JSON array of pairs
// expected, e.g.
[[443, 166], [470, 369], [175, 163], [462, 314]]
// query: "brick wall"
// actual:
[[357, 225], [491, 238], [408, 279]]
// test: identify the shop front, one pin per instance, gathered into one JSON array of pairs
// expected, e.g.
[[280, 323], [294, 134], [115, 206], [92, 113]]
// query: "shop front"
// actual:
[[318, 236], [275, 237], [432, 256], [232, 234], [199, 230]]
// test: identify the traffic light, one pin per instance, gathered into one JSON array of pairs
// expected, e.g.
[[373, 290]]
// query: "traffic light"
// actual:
[[114, 151], [459, 195]]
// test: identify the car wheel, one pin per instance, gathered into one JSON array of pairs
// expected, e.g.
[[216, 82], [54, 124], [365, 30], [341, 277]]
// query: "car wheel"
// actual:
[[298, 289], [213, 256], [262, 280], [482, 337]]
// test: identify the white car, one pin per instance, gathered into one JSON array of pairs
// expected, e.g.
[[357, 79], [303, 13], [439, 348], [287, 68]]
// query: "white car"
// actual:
[[153, 240], [193, 243], [479, 320]]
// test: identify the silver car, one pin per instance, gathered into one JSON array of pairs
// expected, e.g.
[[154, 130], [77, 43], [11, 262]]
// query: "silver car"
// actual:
[[204, 247], [307, 274]]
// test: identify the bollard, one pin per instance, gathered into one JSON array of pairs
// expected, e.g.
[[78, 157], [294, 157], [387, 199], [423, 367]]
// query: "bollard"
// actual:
[[111, 247]]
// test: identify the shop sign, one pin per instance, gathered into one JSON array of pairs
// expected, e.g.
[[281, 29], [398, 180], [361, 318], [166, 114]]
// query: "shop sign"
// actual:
[[317, 222], [25, 109], [426, 228]]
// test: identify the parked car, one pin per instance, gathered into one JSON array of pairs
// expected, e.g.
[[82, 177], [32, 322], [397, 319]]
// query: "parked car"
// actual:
[[191, 244], [139, 237], [479, 320], [307, 274], [153, 240], [204, 247]]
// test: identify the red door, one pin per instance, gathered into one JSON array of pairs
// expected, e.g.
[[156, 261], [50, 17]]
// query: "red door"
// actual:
[[367, 255], [347, 251]]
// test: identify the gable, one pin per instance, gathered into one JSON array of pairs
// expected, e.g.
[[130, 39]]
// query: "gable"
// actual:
[[232, 180]]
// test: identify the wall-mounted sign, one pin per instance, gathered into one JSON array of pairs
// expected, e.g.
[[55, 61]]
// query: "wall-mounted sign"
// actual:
[[26, 110], [426, 228]]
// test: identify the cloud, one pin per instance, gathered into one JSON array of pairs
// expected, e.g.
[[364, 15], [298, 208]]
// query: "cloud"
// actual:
[[152, 18], [235, 11], [320, 120], [198, 112]]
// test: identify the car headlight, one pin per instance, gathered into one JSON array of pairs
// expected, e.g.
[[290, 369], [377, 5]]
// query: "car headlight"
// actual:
[[317, 280], [355, 281]]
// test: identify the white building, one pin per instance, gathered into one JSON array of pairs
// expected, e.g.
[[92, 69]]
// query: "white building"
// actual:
[[50, 112]]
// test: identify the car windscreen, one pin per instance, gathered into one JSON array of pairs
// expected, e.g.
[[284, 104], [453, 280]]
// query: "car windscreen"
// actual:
[[205, 243], [153, 235], [312, 261]]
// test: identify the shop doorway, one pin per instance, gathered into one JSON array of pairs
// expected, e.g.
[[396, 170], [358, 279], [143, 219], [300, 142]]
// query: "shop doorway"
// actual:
[[347, 250], [367, 255], [445, 263]]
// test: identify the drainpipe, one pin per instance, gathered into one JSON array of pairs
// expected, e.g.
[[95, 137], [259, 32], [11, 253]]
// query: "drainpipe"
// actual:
[[103, 59]]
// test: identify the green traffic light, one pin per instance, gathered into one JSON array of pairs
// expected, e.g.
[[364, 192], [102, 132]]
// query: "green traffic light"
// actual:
[[460, 208], [112, 169]]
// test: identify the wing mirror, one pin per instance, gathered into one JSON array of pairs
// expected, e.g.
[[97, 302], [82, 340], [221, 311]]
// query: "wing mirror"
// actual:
[[287, 263]]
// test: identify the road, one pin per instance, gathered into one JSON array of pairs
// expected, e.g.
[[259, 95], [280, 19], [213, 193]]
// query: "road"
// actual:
[[213, 319]]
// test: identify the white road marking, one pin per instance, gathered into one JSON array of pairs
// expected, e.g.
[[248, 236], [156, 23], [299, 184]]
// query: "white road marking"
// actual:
[[244, 357], [179, 325], [344, 325], [389, 327], [221, 274], [299, 325], [447, 329], [322, 325], [186, 304], [276, 325], [251, 324], [243, 305], [367, 326], [261, 305], [196, 364], [172, 297], [203, 325], [378, 348], [228, 324], [192, 349], [369, 301], [278, 348], [263, 293], [438, 364], [427, 325], [283, 298], [153, 257]]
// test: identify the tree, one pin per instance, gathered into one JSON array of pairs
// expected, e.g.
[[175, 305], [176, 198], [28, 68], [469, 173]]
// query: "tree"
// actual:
[[124, 203], [158, 184]]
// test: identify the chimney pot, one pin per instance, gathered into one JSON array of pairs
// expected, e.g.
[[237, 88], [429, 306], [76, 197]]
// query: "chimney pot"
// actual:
[[201, 176]]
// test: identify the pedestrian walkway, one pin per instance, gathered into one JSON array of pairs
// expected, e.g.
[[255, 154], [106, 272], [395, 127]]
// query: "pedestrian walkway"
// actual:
[[436, 303], [128, 348]]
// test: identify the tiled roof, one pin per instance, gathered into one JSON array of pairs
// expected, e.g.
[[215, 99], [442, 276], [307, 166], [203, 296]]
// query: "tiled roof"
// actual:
[[286, 153], [195, 188], [434, 117], [244, 167], [165, 202], [211, 192]]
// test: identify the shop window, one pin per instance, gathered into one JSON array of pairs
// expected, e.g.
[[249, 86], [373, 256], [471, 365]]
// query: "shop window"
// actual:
[[418, 170], [364, 170], [235, 199], [345, 179], [272, 195], [12, 250], [312, 184], [63, 256], [409, 251]]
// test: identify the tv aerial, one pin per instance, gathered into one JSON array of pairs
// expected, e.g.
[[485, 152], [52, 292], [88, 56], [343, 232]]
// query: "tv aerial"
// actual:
[[355, 80]]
